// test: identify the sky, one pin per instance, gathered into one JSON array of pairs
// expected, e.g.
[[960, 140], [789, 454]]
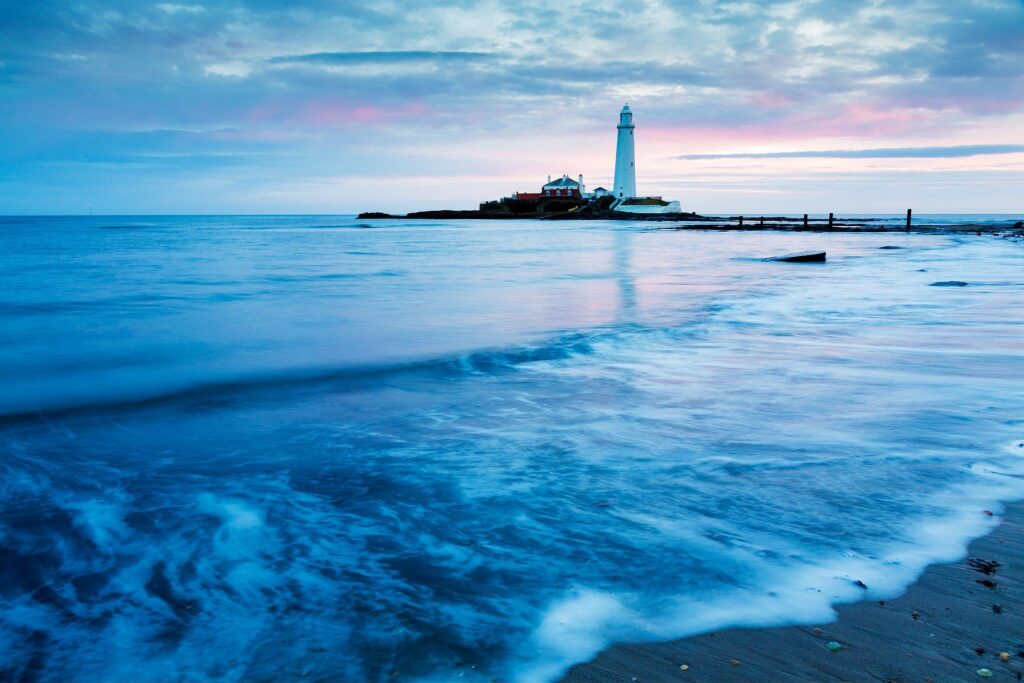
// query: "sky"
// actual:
[[339, 106]]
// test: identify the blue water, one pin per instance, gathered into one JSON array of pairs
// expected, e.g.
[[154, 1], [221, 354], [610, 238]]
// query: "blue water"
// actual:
[[320, 448]]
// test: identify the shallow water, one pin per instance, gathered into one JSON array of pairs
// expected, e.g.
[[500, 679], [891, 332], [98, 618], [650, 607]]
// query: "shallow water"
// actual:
[[271, 448]]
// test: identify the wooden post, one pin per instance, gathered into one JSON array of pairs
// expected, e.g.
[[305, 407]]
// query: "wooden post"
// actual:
[[908, 219], [762, 220], [741, 221], [805, 220], [830, 219]]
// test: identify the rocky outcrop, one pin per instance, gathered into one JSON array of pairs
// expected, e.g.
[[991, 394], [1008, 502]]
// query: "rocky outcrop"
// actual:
[[800, 257]]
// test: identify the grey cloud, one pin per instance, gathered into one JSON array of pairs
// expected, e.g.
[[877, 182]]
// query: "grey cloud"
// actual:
[[382, 57], [950, 152], [73, 74]]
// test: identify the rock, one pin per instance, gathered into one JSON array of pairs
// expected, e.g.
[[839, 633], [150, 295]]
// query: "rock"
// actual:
[[833, 646], [1019, 225], [1004, 656], [997, 609], [800, 257], [949, 283], [987, 567], [890, 246]]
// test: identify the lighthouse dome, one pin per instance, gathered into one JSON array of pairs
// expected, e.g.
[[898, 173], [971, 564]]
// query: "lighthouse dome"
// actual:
[[626, 116]]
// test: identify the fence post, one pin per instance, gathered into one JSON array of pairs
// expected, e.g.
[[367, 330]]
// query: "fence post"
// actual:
[[908, 219], [830, 219], [805, 220], [741, 221]]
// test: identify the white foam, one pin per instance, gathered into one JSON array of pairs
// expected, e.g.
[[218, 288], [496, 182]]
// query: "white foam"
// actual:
[[578, 627]]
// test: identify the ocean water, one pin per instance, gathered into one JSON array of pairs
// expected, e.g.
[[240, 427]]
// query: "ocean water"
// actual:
[[321, 448]]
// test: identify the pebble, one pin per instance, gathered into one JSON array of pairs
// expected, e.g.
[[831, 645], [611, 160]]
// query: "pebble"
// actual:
[[984, 673], [734, 662], [684, 667], [997, 609], [1004, 656]]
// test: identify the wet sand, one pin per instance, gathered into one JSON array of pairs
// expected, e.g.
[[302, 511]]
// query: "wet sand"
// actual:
[[946, 627]]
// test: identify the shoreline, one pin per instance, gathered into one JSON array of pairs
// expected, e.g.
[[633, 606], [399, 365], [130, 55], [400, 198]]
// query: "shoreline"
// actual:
[[950, 624], [1009, 228]]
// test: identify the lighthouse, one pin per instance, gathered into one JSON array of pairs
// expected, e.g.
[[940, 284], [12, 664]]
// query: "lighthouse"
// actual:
[[625, 171]]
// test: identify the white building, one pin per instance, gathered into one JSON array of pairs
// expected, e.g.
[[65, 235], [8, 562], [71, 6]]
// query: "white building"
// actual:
[[626, 199], [563, 187], [625, 169]]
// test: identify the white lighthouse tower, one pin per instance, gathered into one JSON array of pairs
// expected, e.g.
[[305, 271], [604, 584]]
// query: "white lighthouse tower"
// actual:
[[625, 171]]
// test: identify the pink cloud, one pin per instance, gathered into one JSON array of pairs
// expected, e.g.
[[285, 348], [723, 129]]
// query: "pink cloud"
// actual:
[[337, 113], [771, 100], [850, 120]]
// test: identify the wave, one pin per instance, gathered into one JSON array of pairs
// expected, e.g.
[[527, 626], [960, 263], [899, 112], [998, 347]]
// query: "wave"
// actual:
[[76, 305], [479, 362], [582, 624], [336, 276]]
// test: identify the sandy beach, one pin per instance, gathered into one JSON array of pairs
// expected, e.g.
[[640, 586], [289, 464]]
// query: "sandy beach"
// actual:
[[953, 624]]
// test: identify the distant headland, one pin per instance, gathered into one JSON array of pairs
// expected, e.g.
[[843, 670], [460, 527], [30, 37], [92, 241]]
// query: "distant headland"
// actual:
[[512, 208], [1007, 228]]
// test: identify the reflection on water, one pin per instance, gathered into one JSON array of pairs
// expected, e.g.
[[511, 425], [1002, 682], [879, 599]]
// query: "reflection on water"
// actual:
[[624, 276], [272, 448]]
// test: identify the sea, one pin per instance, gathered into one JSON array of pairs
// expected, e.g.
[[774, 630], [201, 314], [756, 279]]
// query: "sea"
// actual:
[[320, 448]]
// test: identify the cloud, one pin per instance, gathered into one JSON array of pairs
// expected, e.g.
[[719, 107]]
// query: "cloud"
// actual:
[[458, 79], [948, 152], [172, 8], [381, 57]]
